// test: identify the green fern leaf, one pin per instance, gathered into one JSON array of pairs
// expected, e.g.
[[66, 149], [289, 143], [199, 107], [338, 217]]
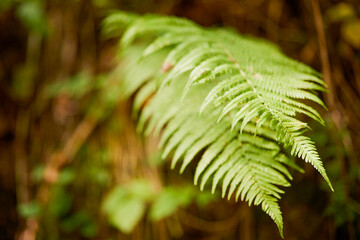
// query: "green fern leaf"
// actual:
[[230, 100]]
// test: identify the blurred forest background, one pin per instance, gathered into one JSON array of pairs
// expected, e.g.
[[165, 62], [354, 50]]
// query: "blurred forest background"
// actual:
[[73, 167]]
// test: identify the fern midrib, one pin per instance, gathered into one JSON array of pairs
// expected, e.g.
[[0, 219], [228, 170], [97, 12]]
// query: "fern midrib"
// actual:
[[232, 58], [311, 157]]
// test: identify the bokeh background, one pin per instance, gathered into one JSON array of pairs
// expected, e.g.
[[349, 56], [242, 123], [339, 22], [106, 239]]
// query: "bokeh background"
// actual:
[[73, 167]]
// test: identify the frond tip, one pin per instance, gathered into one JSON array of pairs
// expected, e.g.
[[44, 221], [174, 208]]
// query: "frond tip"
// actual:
[[230, 101]]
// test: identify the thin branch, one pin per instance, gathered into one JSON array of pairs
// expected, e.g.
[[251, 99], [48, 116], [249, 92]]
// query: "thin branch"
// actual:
[[325, 63]]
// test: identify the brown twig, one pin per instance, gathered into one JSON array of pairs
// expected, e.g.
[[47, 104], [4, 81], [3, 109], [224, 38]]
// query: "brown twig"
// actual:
[[56, 162], [331, 99], [325, 64]]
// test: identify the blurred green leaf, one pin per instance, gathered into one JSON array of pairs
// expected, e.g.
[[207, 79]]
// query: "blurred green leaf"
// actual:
[[89, 230], [31, 14], [66, 176], [75, 86], [351, 33], [127, 213], [111, 95], [125, 205], [82, 222], [28, 210], [99, 175], [113, 198], [169, 200], [340, 12], [60, 202], [141, 188]]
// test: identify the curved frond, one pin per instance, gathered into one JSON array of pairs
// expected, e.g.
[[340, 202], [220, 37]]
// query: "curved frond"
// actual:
[[228, 101]]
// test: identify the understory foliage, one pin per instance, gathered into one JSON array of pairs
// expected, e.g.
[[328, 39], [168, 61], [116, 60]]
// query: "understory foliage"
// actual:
[[228, 100]]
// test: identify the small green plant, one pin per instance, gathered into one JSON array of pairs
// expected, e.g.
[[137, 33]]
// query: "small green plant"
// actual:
[[126, 205], [231, 102]]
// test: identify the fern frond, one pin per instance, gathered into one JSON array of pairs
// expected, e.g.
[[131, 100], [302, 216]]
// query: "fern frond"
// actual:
[[186, 133], [115, 23], [154, 24], [233, 101]]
